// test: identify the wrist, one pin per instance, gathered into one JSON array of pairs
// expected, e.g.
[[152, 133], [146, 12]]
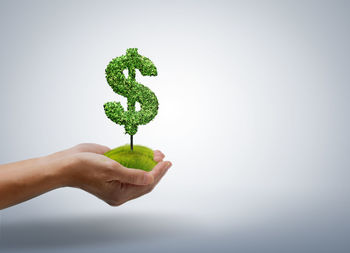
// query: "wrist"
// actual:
[[68, 171], [57, 171]]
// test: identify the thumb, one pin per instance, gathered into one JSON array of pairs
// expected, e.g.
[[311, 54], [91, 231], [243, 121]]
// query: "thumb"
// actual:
[[134, 176]]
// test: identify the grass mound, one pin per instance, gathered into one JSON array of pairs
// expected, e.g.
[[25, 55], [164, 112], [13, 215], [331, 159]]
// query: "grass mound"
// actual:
[[140, 158]]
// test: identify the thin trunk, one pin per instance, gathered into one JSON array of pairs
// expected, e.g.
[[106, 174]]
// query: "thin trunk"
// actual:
[[131, 143]]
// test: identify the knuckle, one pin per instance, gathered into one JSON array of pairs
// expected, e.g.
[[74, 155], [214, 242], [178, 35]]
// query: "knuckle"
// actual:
[[149, 189], [80, 158], [110, 203], [110, 164], [80, 147], [115, 202], [119, 203]]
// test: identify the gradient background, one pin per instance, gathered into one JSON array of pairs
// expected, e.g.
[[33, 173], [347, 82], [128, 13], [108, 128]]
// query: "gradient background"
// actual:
[[254, 114]]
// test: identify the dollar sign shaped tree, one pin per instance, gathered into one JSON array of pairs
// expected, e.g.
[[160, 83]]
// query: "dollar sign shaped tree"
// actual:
[[132, 90]]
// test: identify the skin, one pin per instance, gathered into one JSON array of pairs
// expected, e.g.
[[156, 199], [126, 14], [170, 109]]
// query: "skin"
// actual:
[[83, 166]]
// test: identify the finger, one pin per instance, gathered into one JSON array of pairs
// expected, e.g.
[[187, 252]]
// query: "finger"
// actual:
[[158, 152], [159, 176], [159, 170], [104, 149], [133, 176], [98, 149], [158, 156], [91, 147]]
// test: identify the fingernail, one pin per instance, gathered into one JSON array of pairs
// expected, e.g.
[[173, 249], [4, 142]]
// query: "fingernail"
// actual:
[[168, 165]]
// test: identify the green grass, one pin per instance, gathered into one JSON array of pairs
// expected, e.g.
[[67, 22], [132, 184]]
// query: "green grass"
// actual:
[[140, 158]]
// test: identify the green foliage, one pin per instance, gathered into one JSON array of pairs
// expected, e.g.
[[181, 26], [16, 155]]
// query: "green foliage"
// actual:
[[132, 90], [140, 158]]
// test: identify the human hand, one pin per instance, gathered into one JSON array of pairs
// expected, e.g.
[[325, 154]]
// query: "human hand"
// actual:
[[88, 169], [83, 147], [83, 166]]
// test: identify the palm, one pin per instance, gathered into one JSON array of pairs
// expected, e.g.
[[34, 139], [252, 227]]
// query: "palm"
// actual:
[[122, 192]]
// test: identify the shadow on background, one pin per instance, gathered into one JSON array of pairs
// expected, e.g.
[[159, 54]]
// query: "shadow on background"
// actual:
[[85, 230]]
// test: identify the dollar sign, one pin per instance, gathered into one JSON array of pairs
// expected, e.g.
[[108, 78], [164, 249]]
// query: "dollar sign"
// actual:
[[132, 90]]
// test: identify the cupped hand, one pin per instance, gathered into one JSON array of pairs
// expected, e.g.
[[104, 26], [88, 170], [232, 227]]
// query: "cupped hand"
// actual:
[[87, 168]]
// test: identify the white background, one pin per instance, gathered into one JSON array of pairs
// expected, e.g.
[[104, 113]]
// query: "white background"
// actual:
[[254, 115]]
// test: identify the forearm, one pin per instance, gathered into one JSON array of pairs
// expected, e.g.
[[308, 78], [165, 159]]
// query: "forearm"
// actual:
[[24, 180], [83, 166]]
